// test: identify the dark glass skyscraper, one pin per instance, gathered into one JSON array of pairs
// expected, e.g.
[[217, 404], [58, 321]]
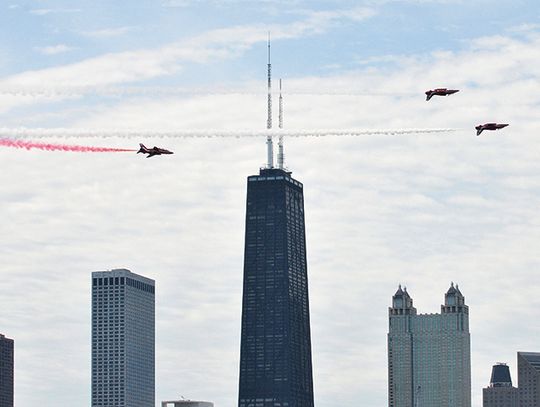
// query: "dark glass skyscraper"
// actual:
[[6, 371], [275, 353]]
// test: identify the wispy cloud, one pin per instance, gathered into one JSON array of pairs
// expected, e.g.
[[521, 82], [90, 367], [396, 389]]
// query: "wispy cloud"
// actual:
[[107, 32], [187, 3], [46, 11], [213, 45], [421, 210], [55, 49]]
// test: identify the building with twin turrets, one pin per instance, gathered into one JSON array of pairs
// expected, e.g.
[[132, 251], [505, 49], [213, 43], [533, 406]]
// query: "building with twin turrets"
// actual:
[[429, 363]]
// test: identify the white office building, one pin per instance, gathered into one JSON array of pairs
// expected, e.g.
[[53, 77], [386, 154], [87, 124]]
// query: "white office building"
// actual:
[[123, 339]]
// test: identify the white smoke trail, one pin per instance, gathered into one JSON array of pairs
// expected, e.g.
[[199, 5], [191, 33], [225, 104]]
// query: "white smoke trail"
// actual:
[[51, 92], [37, 133]]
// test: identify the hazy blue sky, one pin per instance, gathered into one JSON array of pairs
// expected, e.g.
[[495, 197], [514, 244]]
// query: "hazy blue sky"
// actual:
[[420, 210]]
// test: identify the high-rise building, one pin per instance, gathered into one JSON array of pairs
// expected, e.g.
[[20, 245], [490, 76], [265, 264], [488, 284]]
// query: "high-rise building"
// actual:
[[500, 392], [275, 354], [6, 371], [123, 339], [429, 361], [529, 379]]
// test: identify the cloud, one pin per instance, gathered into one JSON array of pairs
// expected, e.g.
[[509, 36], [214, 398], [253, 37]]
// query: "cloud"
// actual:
[[188, 3], [525, 28], [421, 210], [107, 32], [55, 49], [142, 65], [47, 11]]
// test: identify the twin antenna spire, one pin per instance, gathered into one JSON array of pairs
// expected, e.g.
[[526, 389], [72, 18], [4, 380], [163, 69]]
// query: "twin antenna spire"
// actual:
[[269, 141]]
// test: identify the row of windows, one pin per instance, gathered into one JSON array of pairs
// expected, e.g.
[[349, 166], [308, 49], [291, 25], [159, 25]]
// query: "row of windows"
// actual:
[[115, 281], [278, 178]]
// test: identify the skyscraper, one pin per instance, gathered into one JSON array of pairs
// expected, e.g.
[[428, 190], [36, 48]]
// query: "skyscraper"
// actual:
[[529, 379], [429, 361], [123, 339], [275, 352], [500, 392], [6, 371]]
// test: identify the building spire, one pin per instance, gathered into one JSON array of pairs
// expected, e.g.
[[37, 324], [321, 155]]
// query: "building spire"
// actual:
[[281, 155], [269, 118], [269, 142]]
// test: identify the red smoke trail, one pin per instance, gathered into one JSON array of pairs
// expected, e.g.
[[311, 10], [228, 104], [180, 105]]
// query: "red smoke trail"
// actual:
[[29, 145]]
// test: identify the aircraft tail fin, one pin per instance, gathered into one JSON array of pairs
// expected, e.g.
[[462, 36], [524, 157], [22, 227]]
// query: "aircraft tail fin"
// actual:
[[142, 148]]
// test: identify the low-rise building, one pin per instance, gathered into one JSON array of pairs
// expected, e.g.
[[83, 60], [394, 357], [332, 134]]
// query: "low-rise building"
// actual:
[[186, 403], [500, 392]]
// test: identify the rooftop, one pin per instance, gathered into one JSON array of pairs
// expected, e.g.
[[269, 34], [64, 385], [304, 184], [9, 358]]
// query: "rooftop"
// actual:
[[532, 358]]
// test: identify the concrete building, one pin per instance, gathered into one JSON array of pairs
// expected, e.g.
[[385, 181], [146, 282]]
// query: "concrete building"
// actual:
[[123, 339], [529, 379], [429, 361], [500, 392], [186, 403], [6, 371]]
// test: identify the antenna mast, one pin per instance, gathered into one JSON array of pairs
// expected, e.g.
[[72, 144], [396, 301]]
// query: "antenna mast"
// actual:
[[280, 107], [269, 143], [281, 156]]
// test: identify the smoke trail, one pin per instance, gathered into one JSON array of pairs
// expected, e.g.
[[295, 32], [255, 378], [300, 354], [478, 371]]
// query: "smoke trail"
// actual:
[[12, 133], [29, 145], [178, 91]]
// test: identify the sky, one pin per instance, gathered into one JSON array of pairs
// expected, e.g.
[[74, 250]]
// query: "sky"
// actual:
[[422, 210]]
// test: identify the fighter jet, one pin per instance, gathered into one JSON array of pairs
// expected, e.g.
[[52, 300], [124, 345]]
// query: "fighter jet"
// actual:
[[488, 126], [152, 151], [440, 92]]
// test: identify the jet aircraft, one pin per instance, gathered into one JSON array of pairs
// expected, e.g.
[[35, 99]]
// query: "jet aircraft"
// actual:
[[152, 151], [488, 126], [440, 92]]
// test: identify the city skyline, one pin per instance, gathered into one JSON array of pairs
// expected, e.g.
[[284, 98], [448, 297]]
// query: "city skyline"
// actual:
[[380, 210]]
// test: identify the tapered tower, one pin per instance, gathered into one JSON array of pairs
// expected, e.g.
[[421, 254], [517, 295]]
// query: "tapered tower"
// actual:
[[275, 351]]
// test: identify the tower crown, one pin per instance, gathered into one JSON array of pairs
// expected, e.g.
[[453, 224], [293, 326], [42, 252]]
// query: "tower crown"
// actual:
[[402, 303], [500, 376], [454, 301]]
